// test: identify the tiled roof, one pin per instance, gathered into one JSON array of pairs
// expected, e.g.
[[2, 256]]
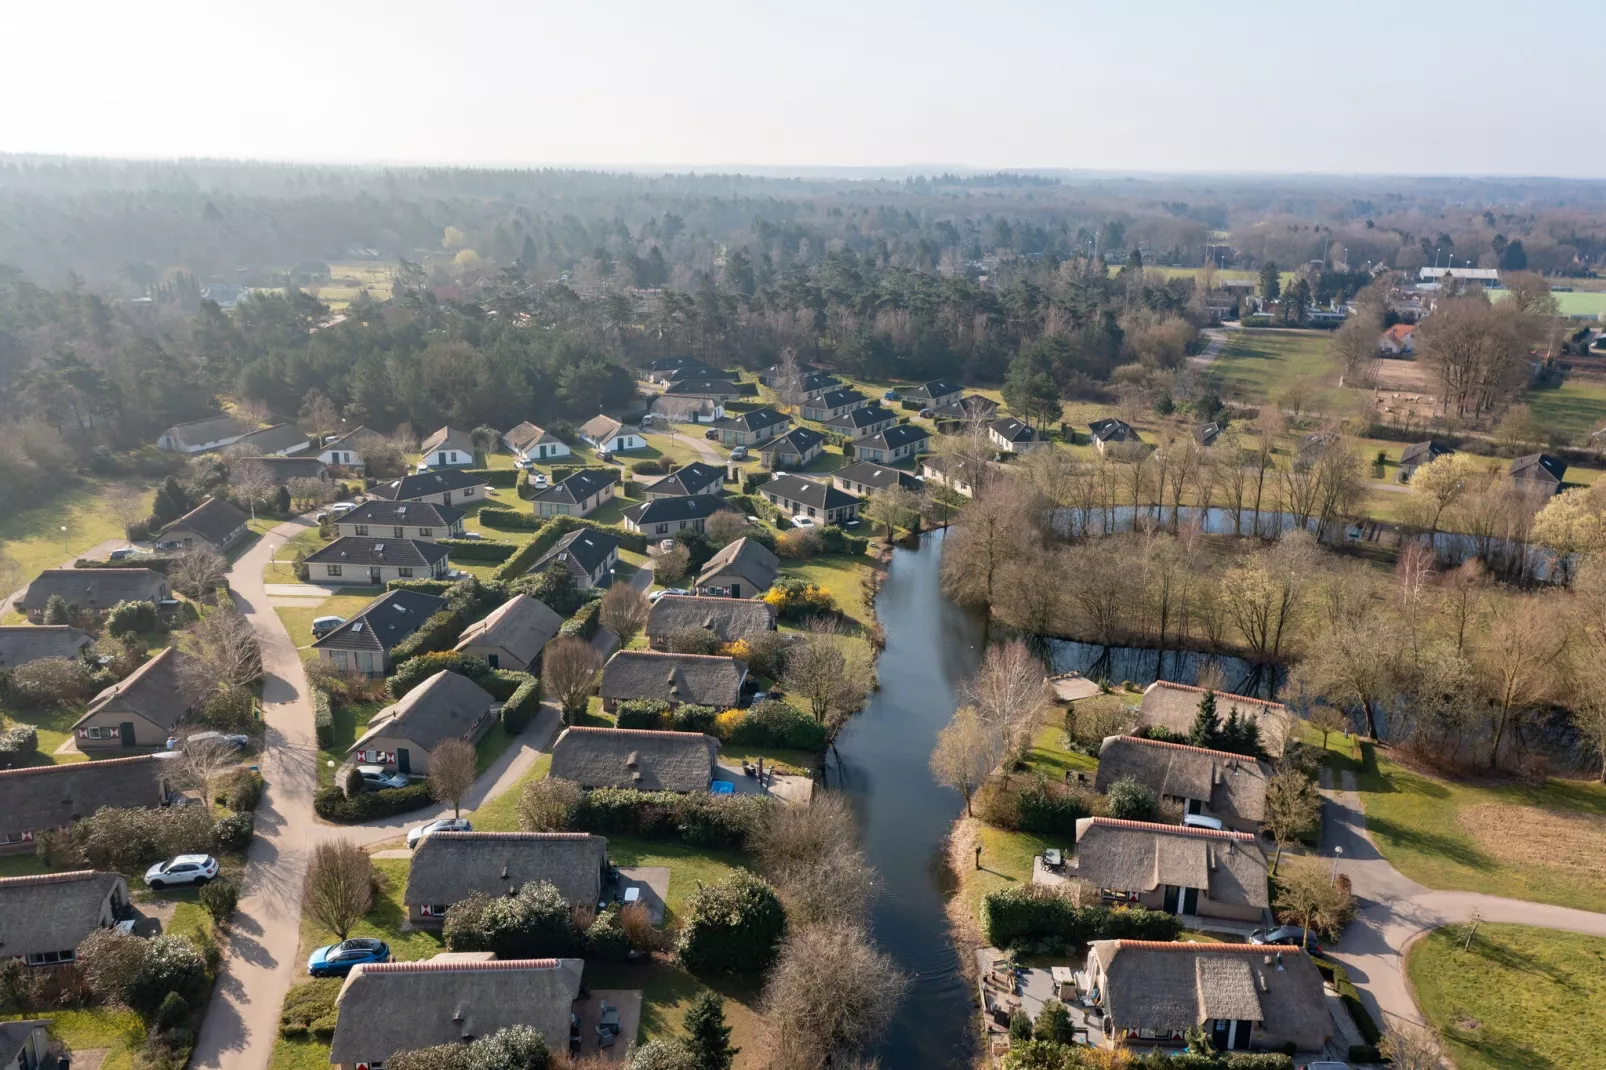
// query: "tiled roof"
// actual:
[[422, 483], [384, 622], [363, 550]]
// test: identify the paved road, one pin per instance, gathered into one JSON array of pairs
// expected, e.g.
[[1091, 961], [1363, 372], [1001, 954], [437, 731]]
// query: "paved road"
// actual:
[[1395, 910]]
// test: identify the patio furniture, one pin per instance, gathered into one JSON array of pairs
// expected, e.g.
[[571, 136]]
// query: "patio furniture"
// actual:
[[1052, 858], [633, 894]]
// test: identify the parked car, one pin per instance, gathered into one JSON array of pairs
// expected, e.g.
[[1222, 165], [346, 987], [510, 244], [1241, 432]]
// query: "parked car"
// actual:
[[322, 626], [538, 481], [889, 395], [1201, 821], [237, 740], [1287, 935], [471, 535], [342, 508], [122, 553], [336, 960], [666, 545], [739, 453], [375, 777], [523, 464], [445, 824], [801, 521], [184, 869], [712, 434], [653, 598], [605, 455]]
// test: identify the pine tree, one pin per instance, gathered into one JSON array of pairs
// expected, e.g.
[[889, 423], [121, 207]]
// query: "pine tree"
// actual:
[[1206, 725], [1270, 281], [281, 500], [710, 1037], [1231, 730]]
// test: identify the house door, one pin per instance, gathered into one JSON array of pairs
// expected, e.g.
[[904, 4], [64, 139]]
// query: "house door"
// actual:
[[374, 575], [1195, 806], [1170, 899], [1190, 900], [404, 761], [493, 660], [736, 590], [1221, 1033], [446, 498], [126, 730], [440, 459]]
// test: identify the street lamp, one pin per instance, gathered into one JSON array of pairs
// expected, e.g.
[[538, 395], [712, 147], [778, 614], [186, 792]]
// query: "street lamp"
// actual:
[[1338, 853], [64, 540]]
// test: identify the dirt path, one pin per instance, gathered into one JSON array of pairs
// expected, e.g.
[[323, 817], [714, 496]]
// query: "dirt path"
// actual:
[[1217, 341]]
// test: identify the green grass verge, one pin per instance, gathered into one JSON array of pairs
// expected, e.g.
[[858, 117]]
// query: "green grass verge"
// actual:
[[1518, 999], [55, 728], [350, 722], [501, 814], [841, 575]]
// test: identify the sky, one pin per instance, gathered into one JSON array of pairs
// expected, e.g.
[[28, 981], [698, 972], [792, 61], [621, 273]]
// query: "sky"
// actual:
[[1418, 87]]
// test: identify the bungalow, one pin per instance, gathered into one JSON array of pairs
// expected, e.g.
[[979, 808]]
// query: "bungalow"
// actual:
[[753, 427], [634, 758], [1214, 783], [386, 1008], [865, 478], [1539, 470], [363, 644], [280, 440], [347, 450], [833, 403], [1311, 448], [1206, 434], [437, 488], [375, 562], [424, 521], [25, 1044], [694, 478], [744, 569], [699, 386], [1418, 454], [45, 916], [284, 469], [1242, 995], [797, 496], [449, 867], [687, 409], [22, 643], [693, 679], [142, 710], [1111, 431], [935, 394], [40, 798], [448, 448], [958, 474], [862, 423], [199, 436], [215, 524], [794, 449], [974, 407], [579, 495], [1175, 868], [668, 369], [1397, 341], [666, 516], [588, 555], [893, 444], [815, 385], [93, 590], [528, 442], [606, 433], [729, 619], [1008, 433], [513, 635], [1174, 707], [405, 733]]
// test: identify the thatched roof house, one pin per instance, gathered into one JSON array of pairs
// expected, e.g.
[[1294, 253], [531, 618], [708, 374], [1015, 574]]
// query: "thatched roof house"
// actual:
[[22, 643], [514, 634], [1210, 782], [1174, 706], [693, 679], [1159, 865], [44, 916], [635, 758], [41, 797], [448, 867], [728, 618]]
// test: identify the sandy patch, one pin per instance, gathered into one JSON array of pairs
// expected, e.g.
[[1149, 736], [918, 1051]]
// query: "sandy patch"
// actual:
[[1530, 837]]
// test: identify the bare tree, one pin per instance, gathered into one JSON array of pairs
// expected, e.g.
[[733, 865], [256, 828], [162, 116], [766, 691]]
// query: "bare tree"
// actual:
[[1408, 1046], [128, 503], [893, 508], [830, 995], [196, 573], [1311, 895], [227, 656], [1327, 719], [1354, 663], [725, 527], [340, 885], [1010, 694], [1292, 806], [307, 491], [966, 752], [811, 854], [319, 413], [1354, 347], [451, 773], [672, 566], [203, 761], [788, 380], [999, 524], [1517, 661], [831, 675], [252, 481], [570, 669], [624, 612]]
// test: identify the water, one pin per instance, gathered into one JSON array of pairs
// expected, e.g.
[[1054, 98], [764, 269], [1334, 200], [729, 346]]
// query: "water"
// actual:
[[1143, 666], [881, 763]]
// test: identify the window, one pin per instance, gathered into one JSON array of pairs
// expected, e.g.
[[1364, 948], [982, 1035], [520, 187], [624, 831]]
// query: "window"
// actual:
[[362, 529], [811, 511], [400, 533], [51, 958], [13, 837], [468, 492], [337, 660], [334, 570], [424, 533], [663, 529], [100, 732], [404, 572]]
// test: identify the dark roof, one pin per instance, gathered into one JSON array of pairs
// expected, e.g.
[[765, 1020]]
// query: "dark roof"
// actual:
[[1174, 706], [20, 644], [746, 558], [449, 438], [13, 1035], [51, 911], [698, 679], [966, 407], [587, 546], [1140, 856], [1111, 429], [1013, 430], [284, 469], [448, 867], [799, 440], [753, 420], [854, 419], [634, 758], [213, 520], [807, 491], [578, 487], [1419, 453], [53, 796], [702, 386], [660, 364], [673, 510], [833, 398], [1206, 434], [878, 476], [211, 429], [364, 550], [819, 381], [381, 511], [727, 618], [384, 622], [422, 483], [936, 388], [275, 439], [1539, 467], [446, 706], [94, 588], [392, 1007], [522, 626], [1232, 785], [895, 436], [693, 477], [155, 690]]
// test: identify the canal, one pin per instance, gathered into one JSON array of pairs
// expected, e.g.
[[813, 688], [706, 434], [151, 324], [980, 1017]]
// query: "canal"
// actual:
[[881, 763]]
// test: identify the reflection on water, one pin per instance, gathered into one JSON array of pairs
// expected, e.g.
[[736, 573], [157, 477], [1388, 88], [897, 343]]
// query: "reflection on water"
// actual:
[[1114, 664]]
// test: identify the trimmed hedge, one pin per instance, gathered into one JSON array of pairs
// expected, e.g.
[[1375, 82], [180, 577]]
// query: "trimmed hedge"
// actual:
[[1351, 998], [1046, 813], [437, 633], [323, 718], [492, 516], [775, 724], [438, 588], [496, 477], [333, 804], [584, 623], [1026, 914], [477, 549], [501, 683], [700, 820], [162, 563], [521, 706], [648, 713]]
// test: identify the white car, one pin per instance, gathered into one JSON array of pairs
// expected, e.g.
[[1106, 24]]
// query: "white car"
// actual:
[[185, 869], [653, 598], [523, 464], [666, 545], [375, 777], [342, 508], [1201, 821], [803, 522], [445, 824]]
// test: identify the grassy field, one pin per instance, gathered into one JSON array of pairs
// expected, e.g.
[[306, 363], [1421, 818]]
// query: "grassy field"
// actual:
[[54, 726], [501, 814], [119, 1032], [668, 992], [1518, 999], [34, 541], [1256, 365], [281, 569], [840, 575], [298, 619], [1577, 406]]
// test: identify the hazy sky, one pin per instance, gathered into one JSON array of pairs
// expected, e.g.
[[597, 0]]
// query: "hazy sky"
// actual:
[[1421, 86]]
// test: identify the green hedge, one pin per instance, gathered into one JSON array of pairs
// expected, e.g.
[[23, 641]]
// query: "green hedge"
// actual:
[[836, 541], [701, 820], [496, 477], [437, 633], [648, 713], [323, 718], [477, 549], [1025, 915], [332, 804], [438, 588], [1351, 998], [162, 563], [18, 744], [776, 724], [492, 516], [554, 528], [521, 706], [500, 683], [584, 623]]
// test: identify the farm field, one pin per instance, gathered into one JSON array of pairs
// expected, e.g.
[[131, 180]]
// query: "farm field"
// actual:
[[1256, 365], [1576, 407], [1574, 303]]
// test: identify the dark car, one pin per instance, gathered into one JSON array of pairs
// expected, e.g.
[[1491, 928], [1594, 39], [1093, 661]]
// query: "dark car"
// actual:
[[712, 434], [336, 960], [1287, 935]]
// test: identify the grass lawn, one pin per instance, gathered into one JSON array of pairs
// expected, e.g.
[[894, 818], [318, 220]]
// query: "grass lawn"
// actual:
[[839, 574], [501, 814], [1576, 407], [348, 603], [1050, 757], [1006, 861], [350, 721], [491, 747], [688, 866], [1257, 364], [55, 727], [667, 992], [33, 537], [120, 1032], [281, 569], [1519, 999], [21, 866]]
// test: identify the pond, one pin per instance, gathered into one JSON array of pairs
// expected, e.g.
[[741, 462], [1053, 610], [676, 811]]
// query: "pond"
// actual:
[[1143, 666]]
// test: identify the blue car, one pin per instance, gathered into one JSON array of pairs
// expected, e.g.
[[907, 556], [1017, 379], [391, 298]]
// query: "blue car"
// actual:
[[336, 960]]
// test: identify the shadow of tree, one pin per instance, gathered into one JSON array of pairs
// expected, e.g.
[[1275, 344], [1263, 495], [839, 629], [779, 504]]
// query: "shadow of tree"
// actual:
[[1453, 848]]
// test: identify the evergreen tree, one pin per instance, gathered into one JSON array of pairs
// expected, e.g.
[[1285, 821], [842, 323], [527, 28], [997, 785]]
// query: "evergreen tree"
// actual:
[[1270, 282], [1206, 725], [1514, 258], [172, 501], [1231, 730], [710, 1037], [281, 500], [60, 611]]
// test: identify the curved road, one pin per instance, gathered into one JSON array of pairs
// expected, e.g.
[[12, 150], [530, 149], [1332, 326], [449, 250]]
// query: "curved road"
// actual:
[[1395, 910]]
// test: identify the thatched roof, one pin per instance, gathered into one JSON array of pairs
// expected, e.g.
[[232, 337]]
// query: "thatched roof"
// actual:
[[527, 434], [213, 520], [747, 558], [448, 867], [96, 589], [1139, 856], [448, 438], [211, 429], [728, 618], [635, 758], [522, 626], [1174, 706], [156, 691], [1232, 785], [41, 797], [52, 911], [700, 679], [276, 439], [1174, 987], [392, 1007], [22, 643], [446, 706]]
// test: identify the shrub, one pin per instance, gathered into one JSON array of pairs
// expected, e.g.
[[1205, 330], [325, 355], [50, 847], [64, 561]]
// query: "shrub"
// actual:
[[323, 718], [797, 599], [522, 706], [495, 477], [734, 925], [509, 519], [172, 965], [775, 724], [693, 641], [1023, 915], [220, 898], [648, 713], [50, 682], [1042, 810], [464, 928], [606, 939], [836, 541], [233, 833], [1133, 801], [438, 588], [127, 841], [650, 467], [18, 744], [477, 549], [534, 924], [333, 804], [729, 821], [693, 718], [308, 1003], [126, 618], [172, 1012], [584, 623], [800, 543], [549, 805], [764, 652], [515, 1047], [670, 1054], [415, 670], [110, 962]]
